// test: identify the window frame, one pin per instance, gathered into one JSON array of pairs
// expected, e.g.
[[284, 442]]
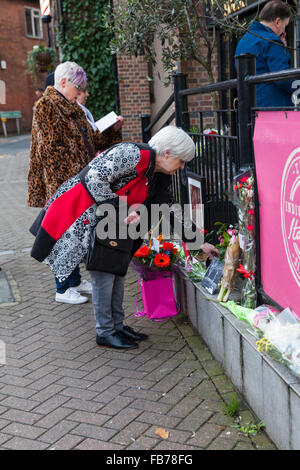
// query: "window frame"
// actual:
[[34, 13]]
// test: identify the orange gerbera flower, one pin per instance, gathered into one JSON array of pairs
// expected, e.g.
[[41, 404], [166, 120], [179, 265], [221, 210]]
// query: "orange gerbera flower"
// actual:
[[161, 260], [143, 251]]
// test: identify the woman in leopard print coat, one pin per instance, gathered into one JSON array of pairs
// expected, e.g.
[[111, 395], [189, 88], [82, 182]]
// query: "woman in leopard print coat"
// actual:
[[62, 142]]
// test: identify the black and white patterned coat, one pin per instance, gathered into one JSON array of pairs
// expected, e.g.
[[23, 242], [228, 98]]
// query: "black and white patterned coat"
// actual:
[[63, 227]]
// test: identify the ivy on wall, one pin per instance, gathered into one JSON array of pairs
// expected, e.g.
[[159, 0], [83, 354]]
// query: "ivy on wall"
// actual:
[[86, 42]]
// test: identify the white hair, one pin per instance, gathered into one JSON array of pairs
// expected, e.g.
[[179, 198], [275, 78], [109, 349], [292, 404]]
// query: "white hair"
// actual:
[[176, 141], [72, 72]]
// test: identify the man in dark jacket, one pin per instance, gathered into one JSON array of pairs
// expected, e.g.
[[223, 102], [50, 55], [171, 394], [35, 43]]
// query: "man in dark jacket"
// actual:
[[266, 39]]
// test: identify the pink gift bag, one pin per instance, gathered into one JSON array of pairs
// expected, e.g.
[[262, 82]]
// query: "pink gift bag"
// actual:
[[158, 296]]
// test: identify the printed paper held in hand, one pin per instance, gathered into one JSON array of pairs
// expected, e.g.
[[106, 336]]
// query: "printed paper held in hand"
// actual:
[[107, 121]]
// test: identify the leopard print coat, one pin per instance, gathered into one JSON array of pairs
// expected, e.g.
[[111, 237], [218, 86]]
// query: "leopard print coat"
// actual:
[[62, 144]]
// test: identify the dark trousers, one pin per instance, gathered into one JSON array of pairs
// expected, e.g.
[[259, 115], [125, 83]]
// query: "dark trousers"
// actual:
[[72, 281]]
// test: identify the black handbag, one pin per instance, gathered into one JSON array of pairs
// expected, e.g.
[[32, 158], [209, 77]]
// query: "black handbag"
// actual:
[[109, 255]]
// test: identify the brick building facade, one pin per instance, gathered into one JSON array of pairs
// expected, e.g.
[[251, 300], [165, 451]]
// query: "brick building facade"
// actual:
[[20, 29], [138, 97]]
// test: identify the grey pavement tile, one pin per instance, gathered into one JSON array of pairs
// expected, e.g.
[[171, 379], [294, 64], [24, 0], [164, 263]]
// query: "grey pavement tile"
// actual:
[[111, 393], [147, 405], [92, 444], [142, 394], [116, 405], [166, 445], [206, 434], [48, 392], [130, 433], [222, 444], [93, 432], [4, 438], [44, 382], [19, 443], [98, 374], [67, 442], [21, 416], [76, 404], [23, 430], [143, 443], [96, 419], [19, 403], [185, 406], [57, 431], [195, 419], [80, 393], [51, 404], [159, 420], [15, 391], [53, 418], [123, 418], [128, 373], [3, 423]]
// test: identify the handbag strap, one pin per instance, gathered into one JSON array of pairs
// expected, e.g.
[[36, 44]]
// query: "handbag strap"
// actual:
[[139, 313]]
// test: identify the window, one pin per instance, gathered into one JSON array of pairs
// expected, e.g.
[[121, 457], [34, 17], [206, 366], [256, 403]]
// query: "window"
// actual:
[[33, 23]]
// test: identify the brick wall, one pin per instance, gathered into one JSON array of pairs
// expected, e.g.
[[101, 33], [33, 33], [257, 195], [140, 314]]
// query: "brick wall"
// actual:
[[14, 46], [135, 92], [134, 95]]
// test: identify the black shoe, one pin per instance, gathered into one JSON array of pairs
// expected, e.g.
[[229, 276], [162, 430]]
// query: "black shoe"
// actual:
[[117, 341], [134, 335]]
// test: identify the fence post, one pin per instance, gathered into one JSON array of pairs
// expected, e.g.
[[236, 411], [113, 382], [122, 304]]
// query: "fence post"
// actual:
[[145, 122], [182, 120], [246, 100]]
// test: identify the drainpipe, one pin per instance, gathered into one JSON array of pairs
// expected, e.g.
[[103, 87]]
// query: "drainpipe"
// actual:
[[115, 70]]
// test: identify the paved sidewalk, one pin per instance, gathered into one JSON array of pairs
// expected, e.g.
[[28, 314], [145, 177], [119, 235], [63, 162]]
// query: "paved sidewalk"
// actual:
[[58, 390]]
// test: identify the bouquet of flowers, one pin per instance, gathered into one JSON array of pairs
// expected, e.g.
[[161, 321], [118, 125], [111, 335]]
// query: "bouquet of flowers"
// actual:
[[152, 262], [243, 198], [232, 256], [281, 340]]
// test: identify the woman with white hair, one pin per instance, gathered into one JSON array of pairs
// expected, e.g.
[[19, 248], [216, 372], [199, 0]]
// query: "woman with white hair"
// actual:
[[62, 144], [130, 173]]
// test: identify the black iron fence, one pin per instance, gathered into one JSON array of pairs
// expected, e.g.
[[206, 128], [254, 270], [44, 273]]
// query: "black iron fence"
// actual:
[[226, 152]]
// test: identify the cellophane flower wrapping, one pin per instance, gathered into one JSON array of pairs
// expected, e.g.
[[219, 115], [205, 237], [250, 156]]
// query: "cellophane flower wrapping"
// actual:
[[194, 267], [244, 200], [282, 340], [152, 263]]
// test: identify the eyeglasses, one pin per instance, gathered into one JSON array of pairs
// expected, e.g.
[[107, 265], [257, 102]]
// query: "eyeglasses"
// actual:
[[79, 88]]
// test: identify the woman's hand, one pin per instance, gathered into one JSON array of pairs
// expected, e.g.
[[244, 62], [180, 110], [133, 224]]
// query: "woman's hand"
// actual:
[[132, 218], [118, 124], [210, 250]]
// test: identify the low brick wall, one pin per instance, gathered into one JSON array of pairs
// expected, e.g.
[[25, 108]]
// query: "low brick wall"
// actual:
[[269, 388]]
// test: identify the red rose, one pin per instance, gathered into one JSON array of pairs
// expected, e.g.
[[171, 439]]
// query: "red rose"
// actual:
[[167, 246], [143, 251]]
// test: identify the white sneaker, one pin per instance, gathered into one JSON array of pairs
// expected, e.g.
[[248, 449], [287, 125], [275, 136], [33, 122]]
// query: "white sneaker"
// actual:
[[85, 287], [71, 296]]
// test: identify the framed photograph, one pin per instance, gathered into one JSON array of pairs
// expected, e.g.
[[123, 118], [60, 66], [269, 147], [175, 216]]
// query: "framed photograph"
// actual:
[[196, 197]]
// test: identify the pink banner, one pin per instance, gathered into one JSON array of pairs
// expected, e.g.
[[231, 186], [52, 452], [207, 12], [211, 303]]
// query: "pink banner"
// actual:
[[277, 160]]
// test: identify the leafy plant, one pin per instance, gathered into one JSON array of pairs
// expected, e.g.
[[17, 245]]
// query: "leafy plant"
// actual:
[[249, 429], [85, 41], [181, 27], [40, 56], [232, 406], [224, 234]]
